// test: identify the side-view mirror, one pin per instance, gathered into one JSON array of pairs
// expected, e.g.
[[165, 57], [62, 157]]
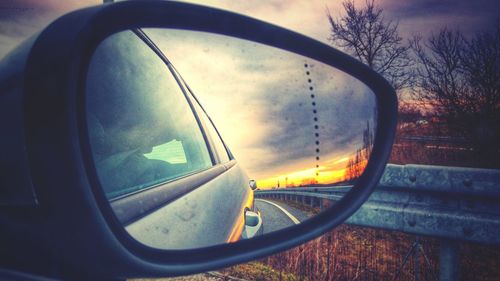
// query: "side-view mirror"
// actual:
[[253, 225], [137, 126], [253, 184]]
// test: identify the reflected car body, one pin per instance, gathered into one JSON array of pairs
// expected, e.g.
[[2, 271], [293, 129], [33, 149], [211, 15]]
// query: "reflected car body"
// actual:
[[198, 206]]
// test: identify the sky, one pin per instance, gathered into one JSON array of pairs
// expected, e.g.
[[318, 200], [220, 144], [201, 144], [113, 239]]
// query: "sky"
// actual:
[[20, 19], [271, 126]]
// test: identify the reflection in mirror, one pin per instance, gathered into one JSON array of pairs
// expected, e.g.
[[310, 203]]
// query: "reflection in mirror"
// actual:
[[216, 139]]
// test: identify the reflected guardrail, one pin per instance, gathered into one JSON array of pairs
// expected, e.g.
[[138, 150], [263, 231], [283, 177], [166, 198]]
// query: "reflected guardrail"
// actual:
[[454, 204]]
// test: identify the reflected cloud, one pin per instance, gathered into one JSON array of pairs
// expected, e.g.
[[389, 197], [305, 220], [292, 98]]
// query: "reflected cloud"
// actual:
[[277, 111]]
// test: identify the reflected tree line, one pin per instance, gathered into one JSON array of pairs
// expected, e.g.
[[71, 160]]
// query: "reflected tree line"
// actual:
[[357, 163]]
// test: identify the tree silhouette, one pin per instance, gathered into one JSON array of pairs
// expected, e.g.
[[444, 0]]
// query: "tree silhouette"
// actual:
[[366, 35], [459, 79]]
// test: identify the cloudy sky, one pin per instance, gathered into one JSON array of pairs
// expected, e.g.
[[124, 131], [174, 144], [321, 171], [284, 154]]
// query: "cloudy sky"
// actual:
[[271, 129]]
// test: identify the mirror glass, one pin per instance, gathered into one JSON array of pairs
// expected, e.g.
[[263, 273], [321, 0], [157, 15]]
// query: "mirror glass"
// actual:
[[199, 139]]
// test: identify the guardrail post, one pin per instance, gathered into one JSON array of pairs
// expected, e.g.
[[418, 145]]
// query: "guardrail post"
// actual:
[[321, 207], [448, 260], [311, 201]]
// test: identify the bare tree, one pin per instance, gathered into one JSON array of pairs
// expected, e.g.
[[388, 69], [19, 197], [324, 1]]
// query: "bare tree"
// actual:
[[440, 83], [481, 67], [356, 164], [459, 79], [366, 35]]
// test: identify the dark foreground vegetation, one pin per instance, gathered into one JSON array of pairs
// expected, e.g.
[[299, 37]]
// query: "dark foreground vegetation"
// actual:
[[354, 253]]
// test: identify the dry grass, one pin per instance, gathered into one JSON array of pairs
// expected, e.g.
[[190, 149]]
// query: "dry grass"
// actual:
[[355, 253], [259, 271]]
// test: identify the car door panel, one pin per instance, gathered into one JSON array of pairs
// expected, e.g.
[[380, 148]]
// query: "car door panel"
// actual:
[[209, 215]]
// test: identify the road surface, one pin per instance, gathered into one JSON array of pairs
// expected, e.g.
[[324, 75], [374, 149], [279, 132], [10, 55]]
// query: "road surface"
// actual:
[[277, 215]]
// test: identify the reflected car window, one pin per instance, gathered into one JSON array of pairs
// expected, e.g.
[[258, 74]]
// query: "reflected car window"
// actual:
[[142, 131]]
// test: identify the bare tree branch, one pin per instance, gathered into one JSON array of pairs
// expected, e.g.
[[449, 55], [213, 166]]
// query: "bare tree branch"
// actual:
[[365, 34], [460, 79]]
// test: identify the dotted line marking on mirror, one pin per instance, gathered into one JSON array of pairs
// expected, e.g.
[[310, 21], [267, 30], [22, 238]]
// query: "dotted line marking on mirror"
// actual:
[[315, 117]]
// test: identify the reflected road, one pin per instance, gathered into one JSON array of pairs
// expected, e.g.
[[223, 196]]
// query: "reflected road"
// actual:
[[277, 215]]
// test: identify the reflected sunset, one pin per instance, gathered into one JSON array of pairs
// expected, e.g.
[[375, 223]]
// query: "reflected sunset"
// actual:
[[330, 172]]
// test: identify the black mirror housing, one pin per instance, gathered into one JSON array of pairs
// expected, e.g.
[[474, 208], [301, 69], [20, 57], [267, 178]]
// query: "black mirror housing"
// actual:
[[71, 219]]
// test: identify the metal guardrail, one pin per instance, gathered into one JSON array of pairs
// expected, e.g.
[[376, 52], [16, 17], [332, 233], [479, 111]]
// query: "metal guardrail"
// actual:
[[454, 204]]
